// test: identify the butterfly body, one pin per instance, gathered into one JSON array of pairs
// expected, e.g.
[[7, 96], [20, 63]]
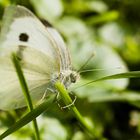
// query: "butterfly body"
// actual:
[[41, 51]]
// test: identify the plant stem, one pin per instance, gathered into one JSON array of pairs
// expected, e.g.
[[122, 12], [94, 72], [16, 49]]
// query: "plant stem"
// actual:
[[67, 100], [25, 91]]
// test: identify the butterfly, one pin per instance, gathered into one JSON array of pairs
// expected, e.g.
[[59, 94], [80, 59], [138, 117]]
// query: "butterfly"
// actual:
[[41, 51]]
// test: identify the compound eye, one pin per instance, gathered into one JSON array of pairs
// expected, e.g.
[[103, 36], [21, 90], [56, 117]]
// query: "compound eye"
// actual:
[[72, 78]]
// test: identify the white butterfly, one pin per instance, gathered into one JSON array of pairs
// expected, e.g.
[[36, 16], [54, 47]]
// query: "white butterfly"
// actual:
[[41, 51]]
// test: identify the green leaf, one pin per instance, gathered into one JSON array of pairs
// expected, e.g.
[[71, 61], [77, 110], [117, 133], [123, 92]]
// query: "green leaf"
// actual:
[[132, 74]]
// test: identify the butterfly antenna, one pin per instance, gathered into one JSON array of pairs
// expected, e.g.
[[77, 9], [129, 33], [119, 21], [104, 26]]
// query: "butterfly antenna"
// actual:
[[87, 61], [88, 70], [92, 81]]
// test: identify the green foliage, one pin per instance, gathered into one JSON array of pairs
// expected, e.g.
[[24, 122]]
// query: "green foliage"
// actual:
[[110, 30]]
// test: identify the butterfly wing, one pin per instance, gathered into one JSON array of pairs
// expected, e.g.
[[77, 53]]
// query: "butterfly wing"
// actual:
[[40, 52], [64, 52], [19, 20], [38, 74]]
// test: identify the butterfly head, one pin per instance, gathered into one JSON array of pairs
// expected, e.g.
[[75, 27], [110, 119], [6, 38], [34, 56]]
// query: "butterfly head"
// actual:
[[68, 77]]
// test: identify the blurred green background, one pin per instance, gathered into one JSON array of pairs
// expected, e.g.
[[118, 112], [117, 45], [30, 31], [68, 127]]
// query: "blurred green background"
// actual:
[[111, 30]]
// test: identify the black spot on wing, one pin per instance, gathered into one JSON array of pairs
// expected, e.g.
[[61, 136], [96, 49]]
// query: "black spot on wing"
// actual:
[[24, 37], [46, 23]]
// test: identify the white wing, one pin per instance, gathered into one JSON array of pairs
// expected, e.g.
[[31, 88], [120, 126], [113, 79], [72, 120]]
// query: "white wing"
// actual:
[[38, 75], [42, 53], [19, 20], [64, 52]]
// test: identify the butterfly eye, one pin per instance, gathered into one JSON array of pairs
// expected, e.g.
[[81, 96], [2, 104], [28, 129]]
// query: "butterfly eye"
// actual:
[[23, 37], [73, 78]]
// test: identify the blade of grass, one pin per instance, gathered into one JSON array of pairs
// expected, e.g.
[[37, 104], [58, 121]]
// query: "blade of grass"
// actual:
[[29, 116], [25, 91], [68, 101], [132, 74]]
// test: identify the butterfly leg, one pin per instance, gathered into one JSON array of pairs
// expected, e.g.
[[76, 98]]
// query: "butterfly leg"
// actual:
[[69, 105], [45, 93], [57, 99]]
